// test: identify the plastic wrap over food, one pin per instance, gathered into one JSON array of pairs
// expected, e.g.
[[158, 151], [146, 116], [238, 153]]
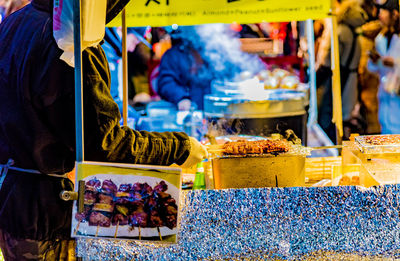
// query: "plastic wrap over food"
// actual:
[[379, 144], [326, 223], [93, 26]]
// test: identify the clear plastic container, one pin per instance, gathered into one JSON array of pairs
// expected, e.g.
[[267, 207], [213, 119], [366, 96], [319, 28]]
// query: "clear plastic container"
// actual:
[[379, 144], [194, 125], [379, 173]]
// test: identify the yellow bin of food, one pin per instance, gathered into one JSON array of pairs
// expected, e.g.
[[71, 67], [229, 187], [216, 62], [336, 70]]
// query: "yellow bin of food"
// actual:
[[259, 171]]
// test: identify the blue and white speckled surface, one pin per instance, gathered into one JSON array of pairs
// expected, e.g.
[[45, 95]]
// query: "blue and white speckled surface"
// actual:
[[272, 223]]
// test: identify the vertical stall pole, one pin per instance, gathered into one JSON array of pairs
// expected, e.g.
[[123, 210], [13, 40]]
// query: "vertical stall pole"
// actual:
[[124, 71], [336, 86], [78, 81], [313, 111], [78, 84]]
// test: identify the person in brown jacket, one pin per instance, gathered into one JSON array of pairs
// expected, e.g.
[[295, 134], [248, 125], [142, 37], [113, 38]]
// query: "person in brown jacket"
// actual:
[[37, 133]]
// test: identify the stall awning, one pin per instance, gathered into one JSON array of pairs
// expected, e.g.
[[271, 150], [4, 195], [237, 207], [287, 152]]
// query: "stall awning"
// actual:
[[184, 12]]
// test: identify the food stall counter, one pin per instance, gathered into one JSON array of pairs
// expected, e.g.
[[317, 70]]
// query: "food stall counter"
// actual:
[[274, 224]]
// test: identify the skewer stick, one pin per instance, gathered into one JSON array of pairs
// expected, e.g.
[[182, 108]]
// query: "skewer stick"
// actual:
[[97, 230], [216, 148], [116, 230], [327, 147], [77, 227], [216, 151], [159, 233], [140, 234]]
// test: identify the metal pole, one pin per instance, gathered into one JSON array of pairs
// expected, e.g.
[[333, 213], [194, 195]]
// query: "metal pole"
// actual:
[[313, 111], [78, 84], [78, 81], [124, 71], [337, 117]]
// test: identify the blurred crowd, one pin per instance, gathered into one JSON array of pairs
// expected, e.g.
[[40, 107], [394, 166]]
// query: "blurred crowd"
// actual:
[[178, 63], [368, 33], [368, 42], [167, 63]]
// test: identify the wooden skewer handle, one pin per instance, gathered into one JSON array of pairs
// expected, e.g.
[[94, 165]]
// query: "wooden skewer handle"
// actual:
[[215, 151], [327, 147], [116, 230], [214, 147]]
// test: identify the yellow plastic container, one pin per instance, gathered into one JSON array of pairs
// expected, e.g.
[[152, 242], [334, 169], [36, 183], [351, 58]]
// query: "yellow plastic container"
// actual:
[[261, 171]]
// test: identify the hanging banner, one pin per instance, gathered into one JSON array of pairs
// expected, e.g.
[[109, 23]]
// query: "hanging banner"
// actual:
[[183, 12]]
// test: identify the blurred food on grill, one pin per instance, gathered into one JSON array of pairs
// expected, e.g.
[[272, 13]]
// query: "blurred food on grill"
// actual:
[[244, 147], [382, 139]]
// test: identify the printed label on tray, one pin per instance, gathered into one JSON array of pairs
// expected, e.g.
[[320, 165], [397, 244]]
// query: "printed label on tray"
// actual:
[[128, 201]]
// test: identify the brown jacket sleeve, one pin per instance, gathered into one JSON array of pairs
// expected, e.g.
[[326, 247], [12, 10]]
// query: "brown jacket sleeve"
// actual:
[[105, 140]]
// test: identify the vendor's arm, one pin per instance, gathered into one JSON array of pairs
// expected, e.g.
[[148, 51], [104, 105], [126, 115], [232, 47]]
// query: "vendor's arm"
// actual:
[[105, 140], [171, 85]]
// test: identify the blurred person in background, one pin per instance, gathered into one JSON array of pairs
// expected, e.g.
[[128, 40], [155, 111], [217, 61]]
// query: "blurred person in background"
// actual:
[[287, 32], [368, 82], [112, 46], [8, 7], [2, 9], [319, 27], [14, 5], [200, 55], [184, 76], [384, 60], [139, 54], [350, 15], [139, 91], [248, 30], [161, 42]]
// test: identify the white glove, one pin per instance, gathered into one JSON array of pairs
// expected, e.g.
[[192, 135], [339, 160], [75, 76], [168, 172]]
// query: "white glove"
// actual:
[[198, 152]]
